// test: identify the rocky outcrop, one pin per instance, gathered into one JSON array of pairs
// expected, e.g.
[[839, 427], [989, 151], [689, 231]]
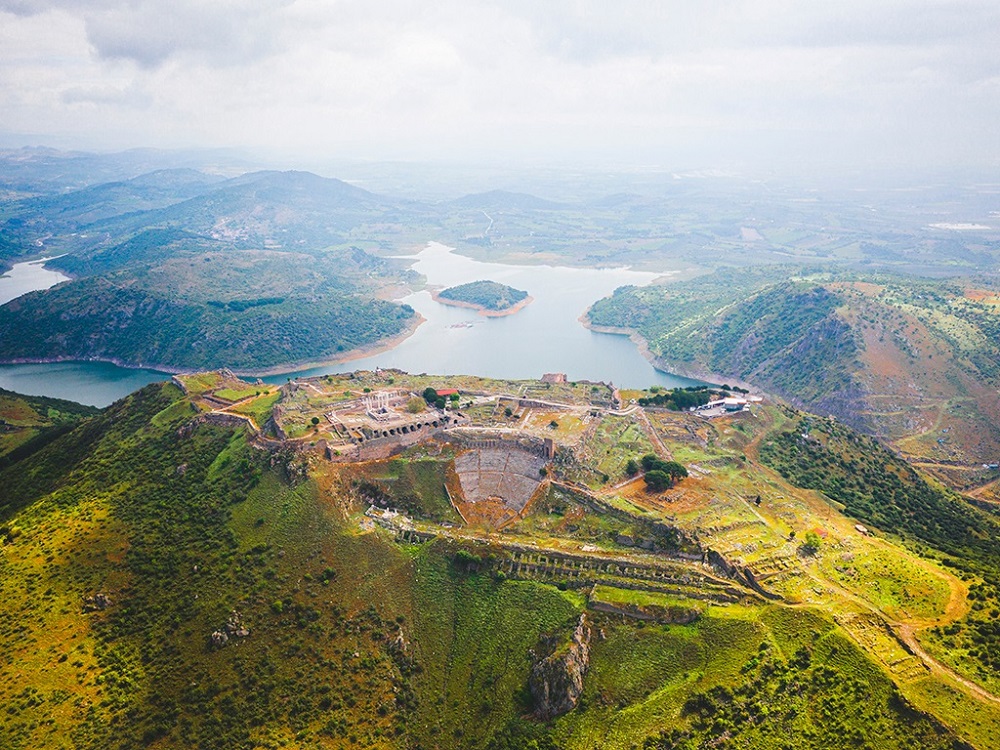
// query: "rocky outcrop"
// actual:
[[97, 602], [556, 680], [738, 573], [234, 628]]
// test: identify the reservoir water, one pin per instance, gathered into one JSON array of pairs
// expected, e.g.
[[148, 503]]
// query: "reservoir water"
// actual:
[[545, 336], [27, 277]]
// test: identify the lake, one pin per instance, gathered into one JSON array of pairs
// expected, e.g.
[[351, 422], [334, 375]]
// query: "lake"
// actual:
[[27, 277], [545, 336]]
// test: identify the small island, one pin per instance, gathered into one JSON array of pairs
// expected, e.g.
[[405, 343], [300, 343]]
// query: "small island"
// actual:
[[490, 298]]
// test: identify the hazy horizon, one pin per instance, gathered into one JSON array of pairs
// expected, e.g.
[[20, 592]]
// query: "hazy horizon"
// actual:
[[735, 85]]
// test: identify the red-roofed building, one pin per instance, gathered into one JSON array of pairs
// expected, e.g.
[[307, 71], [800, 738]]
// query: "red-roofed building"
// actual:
[[444, 392]]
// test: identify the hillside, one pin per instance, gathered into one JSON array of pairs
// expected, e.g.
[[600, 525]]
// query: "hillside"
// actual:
[[171, 575], [913, 361], [253, 311], [486, 296], [184, 271], [28, 422], [294, 211]]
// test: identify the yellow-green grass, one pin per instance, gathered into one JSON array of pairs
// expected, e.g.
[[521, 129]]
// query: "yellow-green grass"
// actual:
[[976, 721], [238, 394], [889, 578], [640, 678], [52, 673], [11, 440], [260, 408], [615, 440], [641, 599], [201, 382]]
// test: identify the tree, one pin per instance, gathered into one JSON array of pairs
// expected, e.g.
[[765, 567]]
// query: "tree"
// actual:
[[430, 395], [811, 545], [315, 421], [674, 469], [657, 480], [631, 467], [454, 398], [508, 412], [415, 405]]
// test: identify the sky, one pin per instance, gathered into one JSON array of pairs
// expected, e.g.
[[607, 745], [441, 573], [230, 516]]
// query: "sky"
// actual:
[[709, 84]]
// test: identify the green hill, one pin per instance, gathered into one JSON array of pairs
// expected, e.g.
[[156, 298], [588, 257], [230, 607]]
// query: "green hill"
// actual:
[[95, 319], [490, 296], [911, 360], [28, 422], [174, 582]]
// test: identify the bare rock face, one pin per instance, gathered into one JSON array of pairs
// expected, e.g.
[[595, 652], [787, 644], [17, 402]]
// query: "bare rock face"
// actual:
[[556, 680]]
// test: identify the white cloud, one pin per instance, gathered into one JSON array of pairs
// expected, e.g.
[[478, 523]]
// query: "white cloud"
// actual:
[[686, 83]]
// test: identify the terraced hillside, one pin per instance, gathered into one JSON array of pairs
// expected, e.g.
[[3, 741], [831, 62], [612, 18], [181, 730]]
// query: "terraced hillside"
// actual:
[[176, 574]]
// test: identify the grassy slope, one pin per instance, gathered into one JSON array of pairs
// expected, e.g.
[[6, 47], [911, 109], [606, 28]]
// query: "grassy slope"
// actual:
[[768, 678], [179, 532], [27, 422], [353, 639], [882, 490]]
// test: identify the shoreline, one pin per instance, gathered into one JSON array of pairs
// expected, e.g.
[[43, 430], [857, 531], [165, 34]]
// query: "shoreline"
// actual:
[[376, 347], [367, 350], [482, 310], [643, 346]]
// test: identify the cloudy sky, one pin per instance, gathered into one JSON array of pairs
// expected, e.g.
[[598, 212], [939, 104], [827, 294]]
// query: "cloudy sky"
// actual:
[[708, 83]]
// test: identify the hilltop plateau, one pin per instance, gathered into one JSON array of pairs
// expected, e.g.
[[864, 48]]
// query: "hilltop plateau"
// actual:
[[391, 560]]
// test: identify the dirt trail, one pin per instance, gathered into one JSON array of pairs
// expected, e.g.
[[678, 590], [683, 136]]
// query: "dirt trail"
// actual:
[[906, 630], [907, 634], [653, 435]]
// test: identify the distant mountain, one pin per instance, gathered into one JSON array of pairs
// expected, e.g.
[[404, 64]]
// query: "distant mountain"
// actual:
[[74, 211], [293, 210], [45, 170]]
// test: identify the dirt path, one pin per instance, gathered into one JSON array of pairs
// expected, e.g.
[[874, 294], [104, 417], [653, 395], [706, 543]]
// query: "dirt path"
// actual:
[[652, 434], [907, 634], [906, 629]]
